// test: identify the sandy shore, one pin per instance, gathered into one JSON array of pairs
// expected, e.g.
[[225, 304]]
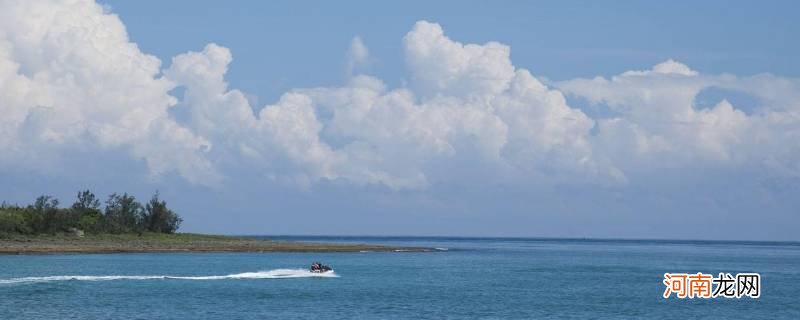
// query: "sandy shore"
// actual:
[[174, 243]]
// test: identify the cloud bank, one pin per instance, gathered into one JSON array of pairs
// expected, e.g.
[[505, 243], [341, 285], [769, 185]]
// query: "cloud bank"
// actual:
[[71, 80]]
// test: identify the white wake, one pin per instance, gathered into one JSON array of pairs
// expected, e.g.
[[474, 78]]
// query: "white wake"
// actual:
[[269, 274]]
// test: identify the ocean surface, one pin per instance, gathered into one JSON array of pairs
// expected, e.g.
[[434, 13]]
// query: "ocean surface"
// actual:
[[466, 278]]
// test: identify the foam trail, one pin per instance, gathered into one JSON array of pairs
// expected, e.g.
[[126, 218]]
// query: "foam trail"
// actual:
[[269, 274]]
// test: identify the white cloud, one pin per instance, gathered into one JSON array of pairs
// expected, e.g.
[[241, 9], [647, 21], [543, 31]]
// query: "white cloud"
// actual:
[[657, 124], [357, 56], [441, 66], [281, 141], [70, 78], [478, 106], [373, 135], [667, 67]]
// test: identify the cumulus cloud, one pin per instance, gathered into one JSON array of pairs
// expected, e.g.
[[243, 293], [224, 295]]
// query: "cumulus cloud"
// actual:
[[441, 66], [70, 78], [657, 124], [365, 133]]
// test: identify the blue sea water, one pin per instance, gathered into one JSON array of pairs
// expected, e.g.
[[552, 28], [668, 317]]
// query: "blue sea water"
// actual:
[[472, 278]]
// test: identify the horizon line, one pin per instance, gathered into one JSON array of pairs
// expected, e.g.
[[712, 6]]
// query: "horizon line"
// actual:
[[795, 242]]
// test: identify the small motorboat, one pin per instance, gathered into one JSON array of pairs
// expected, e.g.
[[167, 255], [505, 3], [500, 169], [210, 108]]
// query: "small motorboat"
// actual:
[[317, 267]]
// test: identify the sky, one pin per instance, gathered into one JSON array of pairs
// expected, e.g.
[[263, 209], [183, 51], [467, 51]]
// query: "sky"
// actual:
[[580, 119]]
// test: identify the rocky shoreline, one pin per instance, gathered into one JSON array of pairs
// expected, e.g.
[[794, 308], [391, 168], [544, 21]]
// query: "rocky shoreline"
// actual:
[[58, 244]]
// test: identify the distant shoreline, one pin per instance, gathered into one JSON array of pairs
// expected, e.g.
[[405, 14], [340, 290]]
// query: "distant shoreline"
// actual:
[[367, 238], [173, 243]]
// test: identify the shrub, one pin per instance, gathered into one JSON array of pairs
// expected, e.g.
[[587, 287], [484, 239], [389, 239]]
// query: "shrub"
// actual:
[[13, 221]]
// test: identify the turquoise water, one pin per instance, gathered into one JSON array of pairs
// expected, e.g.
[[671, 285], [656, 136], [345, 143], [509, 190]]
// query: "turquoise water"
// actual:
[[473, 278]]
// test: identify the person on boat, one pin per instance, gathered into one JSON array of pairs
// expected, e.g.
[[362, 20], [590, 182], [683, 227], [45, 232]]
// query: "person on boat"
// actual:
[[319, 267]]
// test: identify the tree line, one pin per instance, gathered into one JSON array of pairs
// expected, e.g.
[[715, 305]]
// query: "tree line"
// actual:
[[121, 213]]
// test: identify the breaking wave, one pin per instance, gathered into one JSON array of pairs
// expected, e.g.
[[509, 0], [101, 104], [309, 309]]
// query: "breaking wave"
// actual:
[[269, 274]]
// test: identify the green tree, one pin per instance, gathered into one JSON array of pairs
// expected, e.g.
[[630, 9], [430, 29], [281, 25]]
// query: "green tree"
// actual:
[[86, 201], [87, 211], [44, 203], [42, 216], [123, 214], [159, 218]]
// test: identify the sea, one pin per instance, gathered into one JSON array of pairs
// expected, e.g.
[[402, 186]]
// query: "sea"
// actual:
[[464, 278]]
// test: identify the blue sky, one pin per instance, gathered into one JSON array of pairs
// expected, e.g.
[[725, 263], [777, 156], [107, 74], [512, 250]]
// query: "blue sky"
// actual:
[[277, 44], [624, 119]]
